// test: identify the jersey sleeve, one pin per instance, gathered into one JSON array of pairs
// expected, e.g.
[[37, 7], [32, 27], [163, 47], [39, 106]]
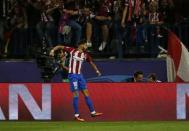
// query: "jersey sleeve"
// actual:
[[68, 49]]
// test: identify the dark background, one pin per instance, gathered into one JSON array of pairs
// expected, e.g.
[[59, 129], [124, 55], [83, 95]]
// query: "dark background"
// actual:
[[182, 7]]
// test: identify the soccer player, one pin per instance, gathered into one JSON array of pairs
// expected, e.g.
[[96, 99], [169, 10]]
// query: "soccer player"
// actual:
[[77, 82]]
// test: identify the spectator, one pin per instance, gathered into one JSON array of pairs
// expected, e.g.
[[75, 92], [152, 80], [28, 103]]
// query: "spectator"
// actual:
[[18, 32], [153, 12], [152, 78], [120, 8], [64, 30], [103, 19], [46, 27], [33, 9], [89, 10], [167, 11], [137, 77], [138, 23], [71, 8]]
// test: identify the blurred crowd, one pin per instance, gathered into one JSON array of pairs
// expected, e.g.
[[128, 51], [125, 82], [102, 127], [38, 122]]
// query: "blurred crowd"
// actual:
[[109, 26]]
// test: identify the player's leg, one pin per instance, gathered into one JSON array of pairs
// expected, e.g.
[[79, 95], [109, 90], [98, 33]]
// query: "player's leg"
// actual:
[[74, 88], [90, 104], [82, 86], [88, 100], [75, 105]]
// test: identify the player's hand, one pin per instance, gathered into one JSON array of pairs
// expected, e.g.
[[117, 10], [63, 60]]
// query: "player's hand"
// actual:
[[51, 53], [98, 73]]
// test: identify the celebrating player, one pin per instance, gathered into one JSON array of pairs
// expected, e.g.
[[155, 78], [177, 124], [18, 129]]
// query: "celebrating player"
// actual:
[[77, 82]]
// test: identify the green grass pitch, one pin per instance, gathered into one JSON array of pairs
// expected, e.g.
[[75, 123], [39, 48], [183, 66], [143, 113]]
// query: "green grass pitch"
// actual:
[[95, 126]]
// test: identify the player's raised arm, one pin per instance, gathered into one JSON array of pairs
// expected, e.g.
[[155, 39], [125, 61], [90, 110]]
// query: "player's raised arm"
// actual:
[[56, 48]]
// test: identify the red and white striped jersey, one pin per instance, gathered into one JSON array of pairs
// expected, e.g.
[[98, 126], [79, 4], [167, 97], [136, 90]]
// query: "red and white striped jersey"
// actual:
[[76, 59]]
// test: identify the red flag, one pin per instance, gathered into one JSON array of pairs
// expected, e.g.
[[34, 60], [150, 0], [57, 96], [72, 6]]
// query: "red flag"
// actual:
[[180, 57]]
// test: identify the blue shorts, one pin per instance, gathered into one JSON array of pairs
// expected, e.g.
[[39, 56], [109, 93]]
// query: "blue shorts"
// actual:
[[77, 82]]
